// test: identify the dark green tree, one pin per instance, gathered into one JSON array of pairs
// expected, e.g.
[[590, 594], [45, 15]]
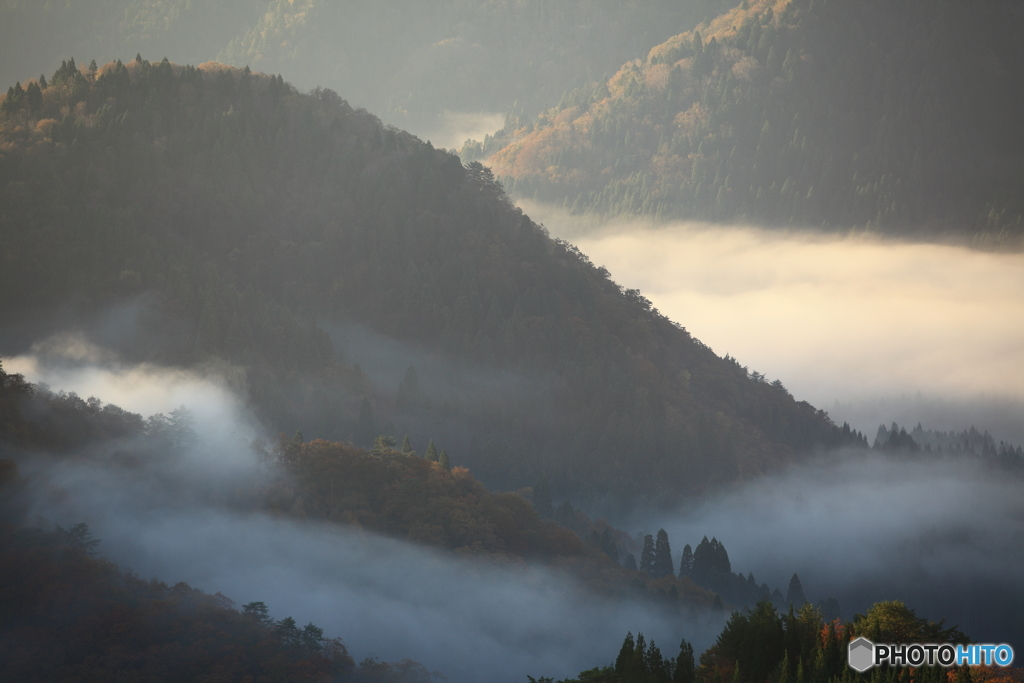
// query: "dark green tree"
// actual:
[[662, 565], [684, 671], [625, 659], [288, 632], [312, 637], [79, 536], [258, 611], [431, 454], [443, 459], [647, 555], [686, 562], [383, 445], [795, 593]]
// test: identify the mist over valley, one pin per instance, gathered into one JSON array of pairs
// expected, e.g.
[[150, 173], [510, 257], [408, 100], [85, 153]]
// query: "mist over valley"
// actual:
[[709, 330]]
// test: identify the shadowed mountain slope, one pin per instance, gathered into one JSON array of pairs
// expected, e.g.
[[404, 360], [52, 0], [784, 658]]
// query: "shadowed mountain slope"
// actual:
[[901, 118], [243, 220]]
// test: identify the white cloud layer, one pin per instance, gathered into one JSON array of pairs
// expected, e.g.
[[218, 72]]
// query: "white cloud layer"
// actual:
[[836, 318]]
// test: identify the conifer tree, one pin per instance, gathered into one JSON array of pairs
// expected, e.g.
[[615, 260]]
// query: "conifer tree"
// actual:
[[431, 454], [625, 658], [795, 594], [383, 444], [663, 565], [258, 611], [638, 664], [647, 555], [407, 446], [629, 562], [684, 671], [686, 562], [784, 673], [443, 459]]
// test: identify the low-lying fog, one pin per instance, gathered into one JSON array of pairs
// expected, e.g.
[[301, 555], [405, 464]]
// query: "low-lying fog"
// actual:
[[872, 331], [470, 620], [451, 129], [853, 324], [946, 536]]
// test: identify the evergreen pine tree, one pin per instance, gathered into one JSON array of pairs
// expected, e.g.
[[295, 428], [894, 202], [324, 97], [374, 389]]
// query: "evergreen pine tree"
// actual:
[[647, 555], [663, 565], [407, 446], [795, 594], [625, 658], [656, 667], [258, 611], [684, 671], [443, 459], [629, 562], [686, 562], [431, 454], [638, 666], [784, 669], [383, 444]]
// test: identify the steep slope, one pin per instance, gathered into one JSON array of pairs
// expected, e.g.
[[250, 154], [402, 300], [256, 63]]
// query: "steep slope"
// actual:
[[244, 219], [898, 117]]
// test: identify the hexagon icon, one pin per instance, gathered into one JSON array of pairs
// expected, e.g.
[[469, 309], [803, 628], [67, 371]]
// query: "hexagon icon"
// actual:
[[861, 655]]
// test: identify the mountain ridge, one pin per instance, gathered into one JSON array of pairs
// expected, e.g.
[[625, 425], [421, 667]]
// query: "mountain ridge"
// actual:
[[797, 113], [251, 212]]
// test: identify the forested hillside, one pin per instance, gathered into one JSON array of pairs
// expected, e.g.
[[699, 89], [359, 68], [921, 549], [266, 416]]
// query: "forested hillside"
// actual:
[[898, 117], [763, 644], [408, 62], [412, 497], [243, 219]]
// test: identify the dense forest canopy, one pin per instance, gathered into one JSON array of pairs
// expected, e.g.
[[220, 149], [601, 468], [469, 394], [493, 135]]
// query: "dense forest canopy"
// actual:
[[766, 645], [246, 218], [900, 118]]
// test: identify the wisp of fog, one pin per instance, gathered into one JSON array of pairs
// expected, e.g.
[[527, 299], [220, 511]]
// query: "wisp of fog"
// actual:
[[469, 619], [847, 319], [943, 534]]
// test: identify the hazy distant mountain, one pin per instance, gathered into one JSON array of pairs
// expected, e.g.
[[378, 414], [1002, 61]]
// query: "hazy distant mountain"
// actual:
[[903, 117], [36, 36], [408, 61], [232, 218]]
